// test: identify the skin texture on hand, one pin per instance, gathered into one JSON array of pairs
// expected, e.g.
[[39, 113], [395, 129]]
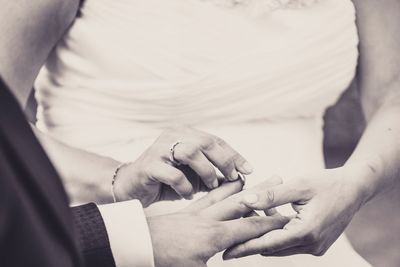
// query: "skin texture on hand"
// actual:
[[199, 155], [210, 225], [325, 203]]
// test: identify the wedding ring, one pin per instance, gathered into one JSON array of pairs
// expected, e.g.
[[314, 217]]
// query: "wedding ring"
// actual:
[[172, 153], [242, 178]]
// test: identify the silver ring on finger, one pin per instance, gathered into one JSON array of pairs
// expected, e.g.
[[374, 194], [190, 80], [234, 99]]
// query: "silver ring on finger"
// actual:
[[242, 178], [172, 153]]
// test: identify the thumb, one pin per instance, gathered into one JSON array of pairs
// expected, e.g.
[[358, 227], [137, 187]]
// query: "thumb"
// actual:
[[275, 196], [241, 230]]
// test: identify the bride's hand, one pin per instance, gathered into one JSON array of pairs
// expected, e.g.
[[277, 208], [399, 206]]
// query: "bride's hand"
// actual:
[[325, 203], [198, 154]]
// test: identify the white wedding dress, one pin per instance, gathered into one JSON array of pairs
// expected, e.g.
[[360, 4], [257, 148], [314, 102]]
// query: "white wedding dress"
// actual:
[[127, 69]]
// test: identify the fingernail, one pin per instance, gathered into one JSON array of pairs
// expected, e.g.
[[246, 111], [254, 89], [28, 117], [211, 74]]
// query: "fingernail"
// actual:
[[250, 199], [234, 175], [215, 184], [247, 167]]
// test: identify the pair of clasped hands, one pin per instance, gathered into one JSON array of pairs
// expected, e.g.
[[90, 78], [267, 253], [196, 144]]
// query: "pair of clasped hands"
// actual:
[[224, 219]]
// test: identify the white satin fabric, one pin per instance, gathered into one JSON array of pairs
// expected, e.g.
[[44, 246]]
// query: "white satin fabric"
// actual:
[[127, 69]]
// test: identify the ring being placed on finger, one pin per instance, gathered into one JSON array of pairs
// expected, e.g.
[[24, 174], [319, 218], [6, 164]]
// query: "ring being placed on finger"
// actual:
[[172, 153], [242, 178]]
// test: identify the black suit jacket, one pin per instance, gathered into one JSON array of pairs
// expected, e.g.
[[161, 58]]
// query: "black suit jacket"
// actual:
[[37, 228]]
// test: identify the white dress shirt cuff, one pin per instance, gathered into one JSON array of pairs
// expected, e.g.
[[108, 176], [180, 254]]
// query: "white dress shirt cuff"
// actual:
[[128, 233]]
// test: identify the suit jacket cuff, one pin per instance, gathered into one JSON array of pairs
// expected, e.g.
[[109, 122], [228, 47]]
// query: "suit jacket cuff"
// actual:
[[92, 236], [129, 234]]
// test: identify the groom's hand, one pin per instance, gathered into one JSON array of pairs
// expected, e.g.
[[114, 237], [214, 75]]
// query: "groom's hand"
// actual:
[[325, 203], [191, 237]]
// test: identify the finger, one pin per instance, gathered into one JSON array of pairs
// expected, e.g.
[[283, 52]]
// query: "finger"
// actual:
[[272, 212], [269, 243], [173, 177], [251, 214], [241, 164], [274, 180], [288, 252], [241, 230], [232, 207], [194, 179], [168, 193], [274, 196], [225, 190], [221, 159], [228, 209], [190, 155]]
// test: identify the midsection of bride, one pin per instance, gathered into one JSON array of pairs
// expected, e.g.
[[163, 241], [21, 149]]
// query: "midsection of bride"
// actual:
[[194, 63]]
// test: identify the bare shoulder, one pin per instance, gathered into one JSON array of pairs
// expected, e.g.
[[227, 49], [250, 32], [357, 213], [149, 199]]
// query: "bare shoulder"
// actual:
[[29, 29], [378, 25], [36, 11], [374, 16], [379, 13]]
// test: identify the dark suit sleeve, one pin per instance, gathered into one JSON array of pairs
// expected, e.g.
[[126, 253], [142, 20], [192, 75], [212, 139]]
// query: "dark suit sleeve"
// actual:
[[92, 236], [37, 228]]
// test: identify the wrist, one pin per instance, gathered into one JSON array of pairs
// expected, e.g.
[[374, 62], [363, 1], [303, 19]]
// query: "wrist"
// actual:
[[365, 176], [105, 172], [90, 179], [118, 188]]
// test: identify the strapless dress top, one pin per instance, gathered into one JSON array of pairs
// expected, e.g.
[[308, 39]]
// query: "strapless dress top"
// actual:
[[155, 63]]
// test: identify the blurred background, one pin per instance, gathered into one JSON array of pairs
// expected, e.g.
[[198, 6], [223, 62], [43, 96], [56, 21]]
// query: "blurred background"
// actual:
[[375, 231]]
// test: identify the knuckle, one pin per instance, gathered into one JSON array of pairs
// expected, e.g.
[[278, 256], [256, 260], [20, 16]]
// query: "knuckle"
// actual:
[[236, 157], [211, 200], [218, 228], [298, 239], [210, 173], [317, 251], [220, 141], [281, 221], [270, 196], [149, 161], [247, 247], [303, 184], [147, 170], [189, 153], [143, 186], [300, 183], [311, 237], [186, 191], [219, 231], [227, 164], [177, 179], [257, 222], [207, 143]]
